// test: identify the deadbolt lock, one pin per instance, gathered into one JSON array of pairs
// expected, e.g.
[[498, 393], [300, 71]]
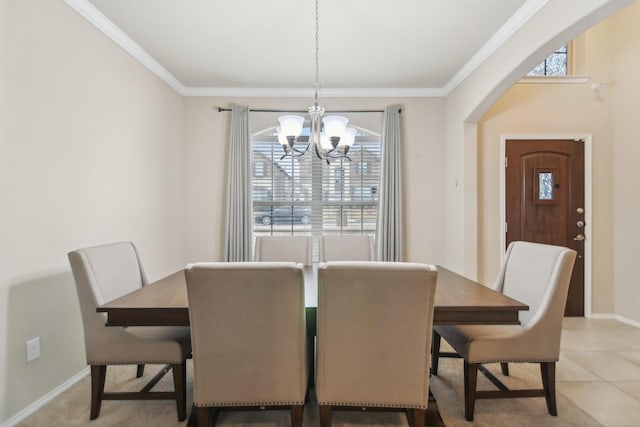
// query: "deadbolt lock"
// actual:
[[580, 224], [580, 210]]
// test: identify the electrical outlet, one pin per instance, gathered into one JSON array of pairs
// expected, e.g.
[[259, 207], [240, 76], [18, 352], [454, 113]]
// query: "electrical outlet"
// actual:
[[33, 349]]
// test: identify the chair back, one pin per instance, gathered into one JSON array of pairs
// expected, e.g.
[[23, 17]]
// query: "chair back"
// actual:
[[298, 249], [537, 275], [347, 247], [102, 274], [248, 333], [374, 333]]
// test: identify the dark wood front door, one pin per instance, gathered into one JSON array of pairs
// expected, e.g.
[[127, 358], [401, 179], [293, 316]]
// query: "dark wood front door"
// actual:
[[545, 201]]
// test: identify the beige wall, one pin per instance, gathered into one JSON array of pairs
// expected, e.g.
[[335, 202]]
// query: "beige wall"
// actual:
[[625, 88], [610, 115], [90, 152], [423, 170]]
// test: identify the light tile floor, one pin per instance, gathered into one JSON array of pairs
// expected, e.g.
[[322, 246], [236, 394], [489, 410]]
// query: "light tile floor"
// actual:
[[599, 369]]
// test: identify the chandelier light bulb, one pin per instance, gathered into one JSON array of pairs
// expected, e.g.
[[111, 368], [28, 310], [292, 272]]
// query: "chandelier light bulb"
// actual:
[[334, 126], [282, 138], [325, 142], [348, 137], [290, 125]]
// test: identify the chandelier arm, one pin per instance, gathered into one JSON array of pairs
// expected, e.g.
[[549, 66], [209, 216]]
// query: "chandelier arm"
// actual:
[[302, 151], [338, 156], [294, 152], [321, 155], [292, 155]]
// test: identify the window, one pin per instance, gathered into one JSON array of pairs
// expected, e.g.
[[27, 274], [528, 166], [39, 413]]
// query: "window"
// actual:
[[362, 168], [338, 178], [556, 64], [304, 196], [363, 193], [258, 169]]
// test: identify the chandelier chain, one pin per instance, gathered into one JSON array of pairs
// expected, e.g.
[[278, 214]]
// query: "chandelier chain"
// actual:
[[316, 86]]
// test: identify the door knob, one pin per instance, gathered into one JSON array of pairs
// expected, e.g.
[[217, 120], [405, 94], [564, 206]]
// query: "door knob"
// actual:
[[579, 237]]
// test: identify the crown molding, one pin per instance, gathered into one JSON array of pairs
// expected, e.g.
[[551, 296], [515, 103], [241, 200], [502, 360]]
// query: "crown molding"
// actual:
[[522, 15], [307, 92], [94, 16]]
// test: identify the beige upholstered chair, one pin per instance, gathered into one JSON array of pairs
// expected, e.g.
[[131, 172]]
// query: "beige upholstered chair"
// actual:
[[249, 336], [347, 247], [374, 335], [537, 275], [284, 249], [104, 273]]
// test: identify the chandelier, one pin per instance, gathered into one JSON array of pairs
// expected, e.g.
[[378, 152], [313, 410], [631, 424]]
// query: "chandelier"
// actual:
[[329, 137]]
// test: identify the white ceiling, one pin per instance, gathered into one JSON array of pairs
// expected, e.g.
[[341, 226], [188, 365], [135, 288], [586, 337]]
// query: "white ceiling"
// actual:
[[248, 46]]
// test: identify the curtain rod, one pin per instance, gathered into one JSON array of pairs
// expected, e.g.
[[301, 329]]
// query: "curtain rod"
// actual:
[[221, 109]]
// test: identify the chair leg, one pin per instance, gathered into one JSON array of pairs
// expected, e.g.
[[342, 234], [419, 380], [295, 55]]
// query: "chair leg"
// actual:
[[180, 385], [419, 417], [297, 412], [505, 369], [193, 418], [470, 380], [435, 352], [325, 415], [140, 370], [202, 416], [98, 374], [548, 371]]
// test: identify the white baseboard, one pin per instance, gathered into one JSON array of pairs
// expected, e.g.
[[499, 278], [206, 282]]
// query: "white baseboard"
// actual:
[[615, 317], [33, 407], [601, 316]]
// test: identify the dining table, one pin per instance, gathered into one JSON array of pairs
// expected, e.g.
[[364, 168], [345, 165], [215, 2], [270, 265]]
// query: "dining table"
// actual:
[[458, 300]]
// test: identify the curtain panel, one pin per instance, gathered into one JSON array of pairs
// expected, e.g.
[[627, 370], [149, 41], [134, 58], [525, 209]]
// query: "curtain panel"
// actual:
[[239, 212], [389, 240]]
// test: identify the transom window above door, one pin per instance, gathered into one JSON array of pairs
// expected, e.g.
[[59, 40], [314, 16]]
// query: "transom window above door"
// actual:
[[556, 64]]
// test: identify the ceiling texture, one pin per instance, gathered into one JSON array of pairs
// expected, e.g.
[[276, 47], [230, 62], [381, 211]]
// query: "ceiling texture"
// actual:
[[266, 48]]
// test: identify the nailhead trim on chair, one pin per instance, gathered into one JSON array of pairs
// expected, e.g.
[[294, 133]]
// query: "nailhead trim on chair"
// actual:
[[512, 361], [209, 404], [376, 405], [138, 362]]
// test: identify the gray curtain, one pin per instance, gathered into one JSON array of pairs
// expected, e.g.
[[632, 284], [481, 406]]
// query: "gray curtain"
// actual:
[[389, 239], [238, 233]]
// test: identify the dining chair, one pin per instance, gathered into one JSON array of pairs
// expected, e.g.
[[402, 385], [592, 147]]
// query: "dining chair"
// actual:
[[249, 337], [102, 274], [537, 275], [373, 337], [347, 247], [284, 249]]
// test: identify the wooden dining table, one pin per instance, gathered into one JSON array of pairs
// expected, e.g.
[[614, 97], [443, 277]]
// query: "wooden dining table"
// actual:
[[458, 300]]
